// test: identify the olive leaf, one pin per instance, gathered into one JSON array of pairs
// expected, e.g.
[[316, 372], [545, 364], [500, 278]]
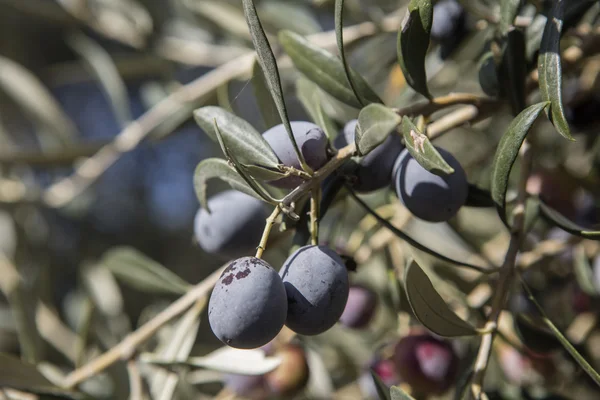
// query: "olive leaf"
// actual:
[[397, 393], [550, 70], [508, 12], [513, 69], [242, 139], [557, 219], [266, 106], [27, 91], [268, 63], [583, 272], [507, 152], [326, 70], [375, 123], [420, 147], [429, 307], [563, 340], [218, 168], [20, 375], [310, 96], [413, 42], [289, 15], [225, 359], [478, 197], [140, 272], [382, 390], [339, 36]]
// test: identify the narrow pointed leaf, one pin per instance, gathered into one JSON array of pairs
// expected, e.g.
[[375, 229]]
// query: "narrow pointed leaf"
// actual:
[[550, 71], [266, 106], [242, 139], [397, 393], [563, 340], [429, 307], [557, 219], [513, 69], [141, 272], [479, 197], [218, 168], [375, 123], [583, 272], [339, 36], [263, 174], [413, 42], [508, 12], [382, 390], [289, 15], [20, 375], [268, 64], [326, 70], [507, 152], [422, 150], [311, 98]]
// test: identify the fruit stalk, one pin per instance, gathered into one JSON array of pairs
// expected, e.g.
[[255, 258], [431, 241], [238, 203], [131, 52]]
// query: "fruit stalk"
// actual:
[[265, 236]]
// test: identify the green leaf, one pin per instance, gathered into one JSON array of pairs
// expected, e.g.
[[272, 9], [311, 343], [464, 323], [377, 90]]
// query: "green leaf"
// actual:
[[422, 150], [310, 96], [583, 272], [218, 168], [513, 69], [268, 63], [339, 37], [266, 106], [287, 15], [507, 152], [326, 70], [20, 375], [397, 393], [563, 340], [375, 123], [478, 197], [242, 139], [549, 69], [508, 12], [382, 390], [429, 307], [140, 272], [263, 174], [413, 42], [557, 219]]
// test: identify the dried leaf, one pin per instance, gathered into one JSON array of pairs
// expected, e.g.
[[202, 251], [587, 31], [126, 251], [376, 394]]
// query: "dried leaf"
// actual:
[[429, 307], [507, 152], [326, 70], [375, 123], [550, 70], [413, 42], [422, 150], [135, 269]]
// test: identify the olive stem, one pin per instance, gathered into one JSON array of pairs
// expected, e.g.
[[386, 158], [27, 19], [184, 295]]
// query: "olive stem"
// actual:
[[505, 279], [314, 215], [426, 108], [265, 236]]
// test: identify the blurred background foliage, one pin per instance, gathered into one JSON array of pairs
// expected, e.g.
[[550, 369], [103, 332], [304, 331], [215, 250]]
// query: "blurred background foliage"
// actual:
[[78, 78]]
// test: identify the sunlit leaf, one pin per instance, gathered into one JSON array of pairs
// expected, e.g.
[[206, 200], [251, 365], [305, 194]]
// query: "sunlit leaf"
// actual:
[[266, 106], [507, 152], [422, 150], [268, 64], [325, 70], [288, 15], [375, 123], [557, 219], [563, 340], [339, 36], [382, 390], [429, 307], [242, 139], [413, 42], [20, 375], [139, 271], [220, 169], [397, 393], [311, 97], [550, 70], [227, 360]]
